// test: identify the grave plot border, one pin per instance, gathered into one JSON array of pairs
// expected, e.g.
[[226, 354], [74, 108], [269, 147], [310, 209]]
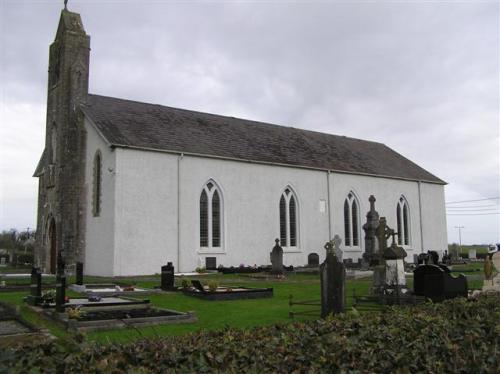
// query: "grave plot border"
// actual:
[[175, 317], [84, 290], [249, 293]]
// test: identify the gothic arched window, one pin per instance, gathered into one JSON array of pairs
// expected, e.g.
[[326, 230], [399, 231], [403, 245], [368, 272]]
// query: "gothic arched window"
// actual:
[[97, 185], [210, 216], [288, 219], [351, 221], [403, 221]]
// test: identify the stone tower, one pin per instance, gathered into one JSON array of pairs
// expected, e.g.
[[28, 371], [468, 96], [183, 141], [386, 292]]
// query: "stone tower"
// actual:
[[61, 202]]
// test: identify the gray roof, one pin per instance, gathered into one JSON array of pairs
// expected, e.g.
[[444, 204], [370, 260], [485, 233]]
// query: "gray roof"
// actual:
[[126, 123]]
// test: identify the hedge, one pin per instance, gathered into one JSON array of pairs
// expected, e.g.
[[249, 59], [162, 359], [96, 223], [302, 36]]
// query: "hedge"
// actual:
[[456, 336]]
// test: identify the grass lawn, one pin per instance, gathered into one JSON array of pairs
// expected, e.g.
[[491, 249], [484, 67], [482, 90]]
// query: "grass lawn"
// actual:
[[213, 315]]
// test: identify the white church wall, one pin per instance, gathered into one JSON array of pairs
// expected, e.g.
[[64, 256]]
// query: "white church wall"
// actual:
[[146, 198], [434, 218], [99, 233], [387, 193], [146, 211], [251, 194]]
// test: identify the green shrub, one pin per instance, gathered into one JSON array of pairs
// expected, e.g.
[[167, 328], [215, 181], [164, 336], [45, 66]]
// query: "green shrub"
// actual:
[[25, 258], [212, 286], [185, 283], [456, 336]]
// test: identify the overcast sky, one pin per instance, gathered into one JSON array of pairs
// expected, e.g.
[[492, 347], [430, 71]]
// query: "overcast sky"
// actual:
[[419, 76]]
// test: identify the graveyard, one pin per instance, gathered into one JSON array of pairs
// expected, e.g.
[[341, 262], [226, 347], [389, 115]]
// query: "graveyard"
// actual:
[[437, 306]]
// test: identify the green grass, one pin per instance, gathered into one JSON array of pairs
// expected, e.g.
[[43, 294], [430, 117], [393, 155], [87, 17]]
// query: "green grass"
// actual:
[[214, 315]]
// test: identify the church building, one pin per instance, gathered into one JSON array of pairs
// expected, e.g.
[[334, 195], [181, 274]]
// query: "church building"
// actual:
[[126, 186]]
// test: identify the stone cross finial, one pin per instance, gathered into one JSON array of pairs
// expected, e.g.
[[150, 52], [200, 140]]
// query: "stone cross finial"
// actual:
[[329, 247], [277, 241], [393, 234], [65, 4], [372, 200]]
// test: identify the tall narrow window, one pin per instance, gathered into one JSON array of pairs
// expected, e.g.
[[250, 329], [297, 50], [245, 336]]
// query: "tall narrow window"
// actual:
[[283, 220], [351, 221], [347, 224], [403, 221], [203, 219], [288, 219], [53, 144], [210, 217], [97, 185], [215, 219]]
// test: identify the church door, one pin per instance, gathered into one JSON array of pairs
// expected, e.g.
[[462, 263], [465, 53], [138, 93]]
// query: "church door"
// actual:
[[53, 246]]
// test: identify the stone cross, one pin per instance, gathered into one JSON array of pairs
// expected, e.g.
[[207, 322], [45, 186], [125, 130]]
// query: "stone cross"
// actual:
[[371, 243], [383, 232], [332, 276]]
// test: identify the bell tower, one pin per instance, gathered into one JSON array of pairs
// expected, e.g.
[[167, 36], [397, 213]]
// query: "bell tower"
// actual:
[[61, 204]]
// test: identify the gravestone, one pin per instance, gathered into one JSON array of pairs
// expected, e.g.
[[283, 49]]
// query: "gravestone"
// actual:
[[35, 296], [167, 277], [436, 283], [36, 282], [2, 260], [277, 259], [313, 260], [394, 267], [383, 232], [433, 257], [60, 284], [370, 256], [332, 275], [211, 263], [472, 254], [79, 273], [493, 284]]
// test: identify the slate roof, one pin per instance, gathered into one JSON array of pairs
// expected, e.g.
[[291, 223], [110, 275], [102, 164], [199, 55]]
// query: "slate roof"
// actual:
[[126, 123]]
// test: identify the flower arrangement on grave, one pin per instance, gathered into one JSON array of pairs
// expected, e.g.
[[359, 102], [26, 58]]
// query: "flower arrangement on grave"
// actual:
[[229, 289], [201, 270], [212, 286], [128, 288], [75, 313]]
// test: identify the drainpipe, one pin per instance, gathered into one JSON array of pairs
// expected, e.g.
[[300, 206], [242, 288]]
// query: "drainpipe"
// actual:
[[179, 158], [420, 215], [329, 205]]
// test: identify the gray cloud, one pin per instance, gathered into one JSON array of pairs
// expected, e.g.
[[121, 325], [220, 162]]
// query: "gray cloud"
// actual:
[[421, 77]]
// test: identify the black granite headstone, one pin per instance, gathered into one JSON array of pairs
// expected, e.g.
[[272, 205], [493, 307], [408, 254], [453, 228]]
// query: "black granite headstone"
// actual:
[[36, 282], [211, 263], [332, 273], [60, 292], [60, 284], [436, 283], [167, 277], [313, 259], [79, 273]]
